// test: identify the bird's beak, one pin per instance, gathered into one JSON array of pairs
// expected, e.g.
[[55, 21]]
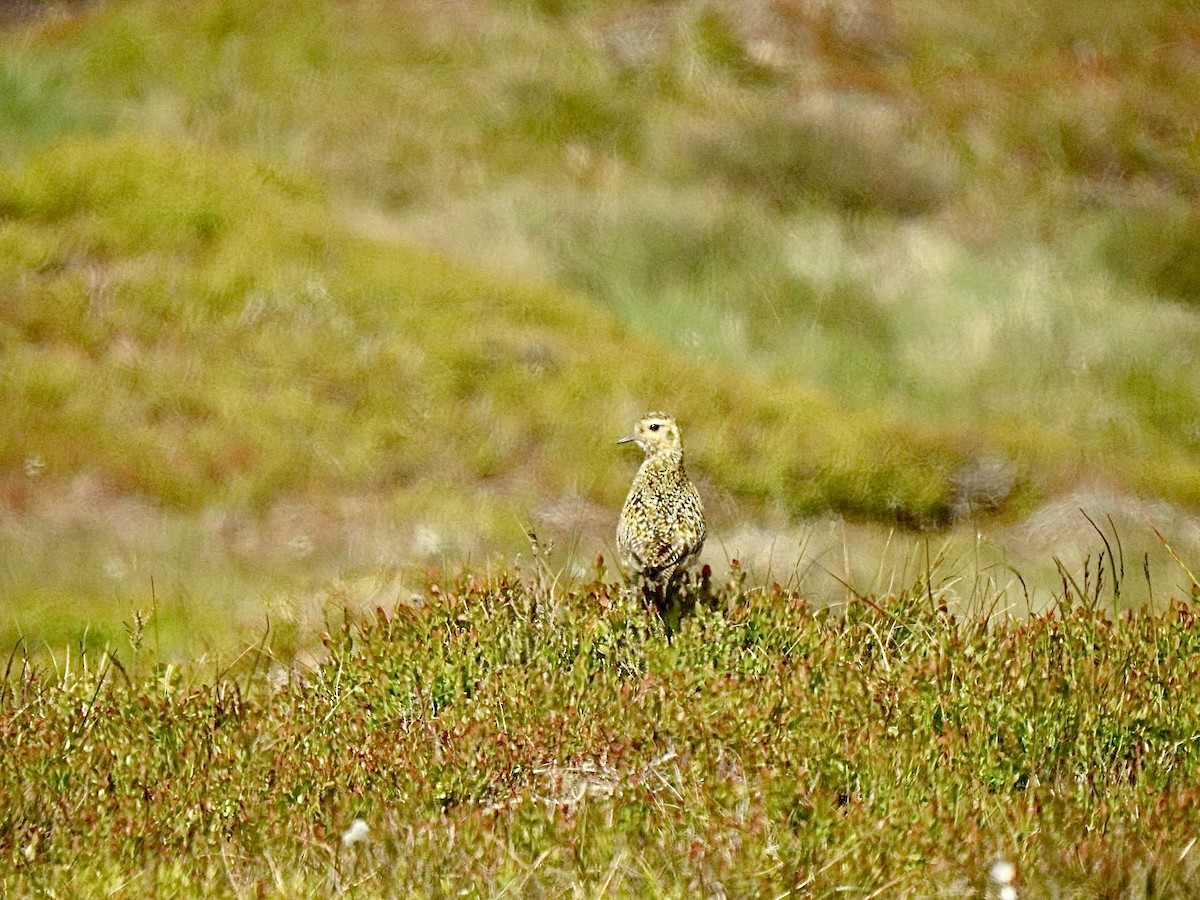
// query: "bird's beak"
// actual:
[[627, 439]]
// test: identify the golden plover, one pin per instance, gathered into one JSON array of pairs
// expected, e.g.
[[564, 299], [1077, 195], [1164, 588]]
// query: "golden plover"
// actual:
[[662, 523]]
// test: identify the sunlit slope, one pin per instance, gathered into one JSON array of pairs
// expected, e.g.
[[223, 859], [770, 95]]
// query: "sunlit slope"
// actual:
[[199, 329], [970, 224], [956, 213]]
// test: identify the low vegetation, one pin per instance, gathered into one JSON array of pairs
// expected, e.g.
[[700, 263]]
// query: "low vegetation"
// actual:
[[308, 309], [290, 293], [198, 333], [500, 732]]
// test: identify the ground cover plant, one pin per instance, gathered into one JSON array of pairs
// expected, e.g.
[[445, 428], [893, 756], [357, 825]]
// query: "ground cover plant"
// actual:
[[194, 333], [280, 283], [504, 732], [309, 312]]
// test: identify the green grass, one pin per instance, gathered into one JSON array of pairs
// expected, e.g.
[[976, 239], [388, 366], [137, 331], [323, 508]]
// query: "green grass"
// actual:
[[309, 313], [300, 292], [304, 306], [900, 207], [499, 733], [194, 334]]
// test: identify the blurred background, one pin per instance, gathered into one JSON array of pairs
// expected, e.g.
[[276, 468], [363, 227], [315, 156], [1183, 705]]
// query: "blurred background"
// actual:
[[300, 302]]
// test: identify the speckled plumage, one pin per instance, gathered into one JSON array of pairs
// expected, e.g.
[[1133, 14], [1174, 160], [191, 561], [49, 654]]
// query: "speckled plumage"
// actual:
[[662, 523]]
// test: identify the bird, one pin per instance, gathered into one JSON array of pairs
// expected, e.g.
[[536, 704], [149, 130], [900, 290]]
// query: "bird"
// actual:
[[661, 527]]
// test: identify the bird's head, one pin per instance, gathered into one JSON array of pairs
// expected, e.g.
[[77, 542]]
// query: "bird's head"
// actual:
[[655, 433]]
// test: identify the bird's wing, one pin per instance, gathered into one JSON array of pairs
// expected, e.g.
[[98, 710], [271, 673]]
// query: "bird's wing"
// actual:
[[656, 556]]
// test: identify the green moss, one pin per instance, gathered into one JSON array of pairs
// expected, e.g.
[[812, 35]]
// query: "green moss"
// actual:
[[130, 195]]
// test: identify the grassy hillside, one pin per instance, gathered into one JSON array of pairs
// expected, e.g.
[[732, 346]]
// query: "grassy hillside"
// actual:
[[312, 310], [498, 736], [960, 212], [291, 291], [197, 328], [198, 332]]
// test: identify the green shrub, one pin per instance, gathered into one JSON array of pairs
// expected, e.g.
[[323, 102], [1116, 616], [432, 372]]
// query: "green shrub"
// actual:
[[492, 732]]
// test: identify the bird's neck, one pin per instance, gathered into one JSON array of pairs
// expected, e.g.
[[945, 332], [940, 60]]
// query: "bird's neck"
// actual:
[[665, 459]]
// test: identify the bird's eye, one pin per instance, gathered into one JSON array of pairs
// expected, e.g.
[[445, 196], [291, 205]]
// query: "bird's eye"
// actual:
[[654, 426]]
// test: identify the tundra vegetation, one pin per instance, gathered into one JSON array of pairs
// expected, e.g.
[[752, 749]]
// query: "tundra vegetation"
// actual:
[[310, 313]]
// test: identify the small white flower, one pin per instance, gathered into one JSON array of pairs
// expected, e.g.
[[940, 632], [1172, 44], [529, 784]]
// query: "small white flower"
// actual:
[[1002, 871], [34, 465], [1002, 874], [356, 833]]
